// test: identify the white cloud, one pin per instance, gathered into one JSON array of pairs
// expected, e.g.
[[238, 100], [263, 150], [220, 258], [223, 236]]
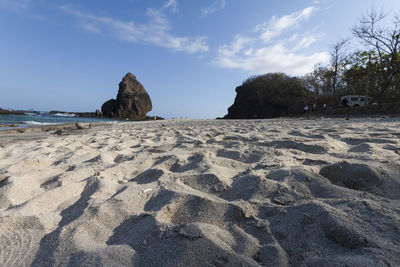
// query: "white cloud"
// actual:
[[156, 31], [305, 42], [276, 26], [90, 27], [271, 51], [172, 5], [235, 46], [275, 58], [217, 5]]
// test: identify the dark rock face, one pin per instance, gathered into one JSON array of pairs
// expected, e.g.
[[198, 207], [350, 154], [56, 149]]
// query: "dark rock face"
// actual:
[[109, 107], [132, 102], [132, 99], [268, 96]]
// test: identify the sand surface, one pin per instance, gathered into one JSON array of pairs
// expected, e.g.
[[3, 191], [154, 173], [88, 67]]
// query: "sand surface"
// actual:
[[321, 192]]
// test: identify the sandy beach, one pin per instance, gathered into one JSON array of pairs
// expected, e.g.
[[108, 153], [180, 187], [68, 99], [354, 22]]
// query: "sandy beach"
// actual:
[[280, 192]]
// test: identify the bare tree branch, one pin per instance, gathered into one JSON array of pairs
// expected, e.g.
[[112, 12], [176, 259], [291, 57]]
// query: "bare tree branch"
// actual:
[[384, 40], [338, 59]]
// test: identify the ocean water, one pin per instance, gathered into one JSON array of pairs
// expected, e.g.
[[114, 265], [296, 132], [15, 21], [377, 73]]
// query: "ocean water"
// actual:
[[43, 118]]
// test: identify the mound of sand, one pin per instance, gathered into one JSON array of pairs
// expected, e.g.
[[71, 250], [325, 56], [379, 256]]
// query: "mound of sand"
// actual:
[[203, 193]]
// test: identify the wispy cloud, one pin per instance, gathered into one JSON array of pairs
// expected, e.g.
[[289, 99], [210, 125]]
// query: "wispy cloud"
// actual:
[[156, 31], [15, 5], [271, 49], [217, 5], [27, 8]]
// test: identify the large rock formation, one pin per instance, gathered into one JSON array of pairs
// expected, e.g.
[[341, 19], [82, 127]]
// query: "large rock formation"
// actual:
[[132, 102], [268, 96]]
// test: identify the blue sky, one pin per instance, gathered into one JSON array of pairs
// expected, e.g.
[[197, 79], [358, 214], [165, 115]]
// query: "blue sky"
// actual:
[[189, 55]]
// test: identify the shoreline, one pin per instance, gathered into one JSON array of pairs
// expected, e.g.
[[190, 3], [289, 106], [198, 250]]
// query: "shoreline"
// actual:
[[87, 125], [53, 127], [20, 122], [45, 131]]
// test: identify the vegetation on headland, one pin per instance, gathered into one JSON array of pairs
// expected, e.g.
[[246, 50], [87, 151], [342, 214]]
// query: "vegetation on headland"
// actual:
[[371, 70], [10, 112]]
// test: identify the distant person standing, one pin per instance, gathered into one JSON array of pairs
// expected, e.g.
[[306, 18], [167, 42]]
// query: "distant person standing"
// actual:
[[306, 109], [324, 107], [314, 107]]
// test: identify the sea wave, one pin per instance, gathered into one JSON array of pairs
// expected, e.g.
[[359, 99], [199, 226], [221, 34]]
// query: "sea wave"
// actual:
[[64, 115], [39, 123], [31, 114]]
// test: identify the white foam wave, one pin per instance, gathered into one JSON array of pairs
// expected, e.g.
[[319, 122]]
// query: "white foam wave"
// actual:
[[39, 123], [64, 115]]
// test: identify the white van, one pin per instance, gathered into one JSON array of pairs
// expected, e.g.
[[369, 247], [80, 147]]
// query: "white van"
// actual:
[[355, 100]]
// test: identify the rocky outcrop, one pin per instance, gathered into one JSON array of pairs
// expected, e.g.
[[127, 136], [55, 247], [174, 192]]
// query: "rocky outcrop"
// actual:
[[109, 108], [268, 96], [132, 101]]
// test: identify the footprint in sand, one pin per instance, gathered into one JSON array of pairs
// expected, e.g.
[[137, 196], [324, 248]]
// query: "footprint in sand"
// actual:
[[52, 183], [361, 148], [353, 176], [148, 176], [206, 183], [244, 157], [14, 247], [191, 163], [314, 149], [123, 158], [18, 239]]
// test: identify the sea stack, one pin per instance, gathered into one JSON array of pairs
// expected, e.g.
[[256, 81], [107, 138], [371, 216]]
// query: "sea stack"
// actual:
[[133, 101]]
